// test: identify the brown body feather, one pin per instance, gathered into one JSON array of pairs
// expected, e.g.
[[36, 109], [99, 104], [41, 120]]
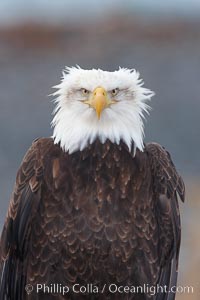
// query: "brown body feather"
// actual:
[[98, 217]]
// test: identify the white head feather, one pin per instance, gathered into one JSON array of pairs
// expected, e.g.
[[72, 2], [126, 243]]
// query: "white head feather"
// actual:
[[76, 124]]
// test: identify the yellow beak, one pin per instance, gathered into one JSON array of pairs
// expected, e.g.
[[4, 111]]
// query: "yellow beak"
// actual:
[[99, 100]]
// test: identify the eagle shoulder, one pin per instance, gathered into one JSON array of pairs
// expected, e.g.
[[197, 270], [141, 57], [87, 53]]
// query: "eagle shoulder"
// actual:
[[166, 178]]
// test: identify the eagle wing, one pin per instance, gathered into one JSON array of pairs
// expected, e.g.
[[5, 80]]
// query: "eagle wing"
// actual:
[[167, 184], [16, 231]]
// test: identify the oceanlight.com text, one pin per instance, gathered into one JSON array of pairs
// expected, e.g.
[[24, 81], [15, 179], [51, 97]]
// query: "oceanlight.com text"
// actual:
[[56, 288]]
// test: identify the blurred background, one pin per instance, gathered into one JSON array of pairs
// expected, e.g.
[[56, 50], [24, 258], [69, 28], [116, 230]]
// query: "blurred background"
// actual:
[[161, 39]]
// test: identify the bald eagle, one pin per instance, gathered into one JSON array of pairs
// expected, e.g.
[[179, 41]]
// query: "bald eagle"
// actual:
[[94, 212]]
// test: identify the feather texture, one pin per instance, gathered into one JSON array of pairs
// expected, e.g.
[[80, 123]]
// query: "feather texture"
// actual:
[[99, 216]]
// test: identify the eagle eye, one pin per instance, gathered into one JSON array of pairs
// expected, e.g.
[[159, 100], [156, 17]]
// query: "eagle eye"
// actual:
[[85, 92], [115, 91]]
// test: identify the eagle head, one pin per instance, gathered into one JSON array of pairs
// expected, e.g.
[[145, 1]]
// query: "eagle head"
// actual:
[[96, 104]]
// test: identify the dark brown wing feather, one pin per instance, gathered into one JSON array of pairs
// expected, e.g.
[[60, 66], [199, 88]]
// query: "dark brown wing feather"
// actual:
[[99, 219], [15, 234], [167, 184]]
